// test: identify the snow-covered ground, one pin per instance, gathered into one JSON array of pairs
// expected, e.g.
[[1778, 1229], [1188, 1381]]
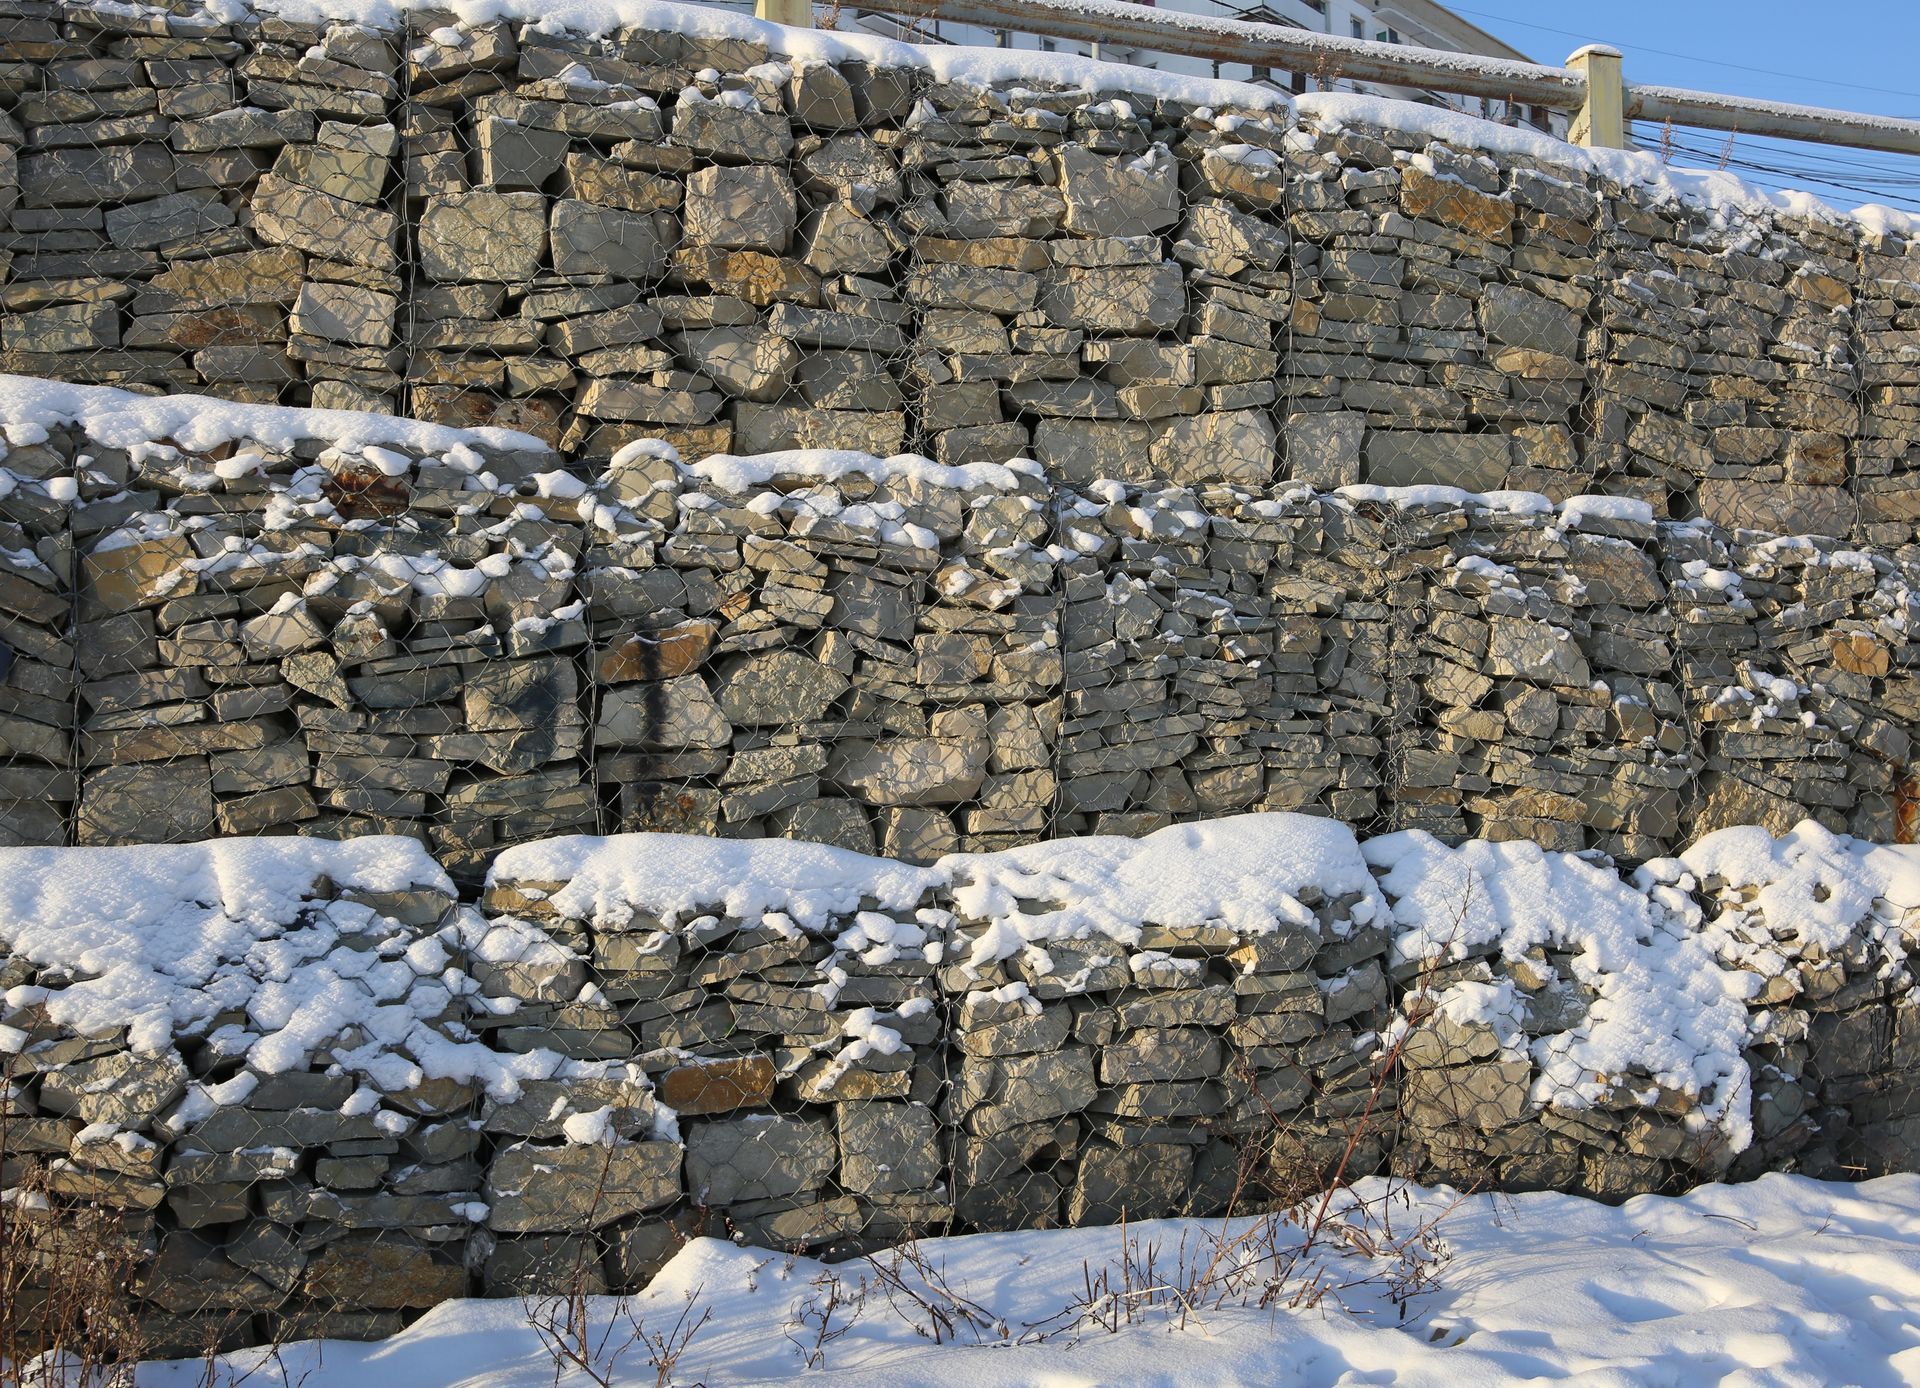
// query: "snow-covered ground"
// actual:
[[1785, 1281]]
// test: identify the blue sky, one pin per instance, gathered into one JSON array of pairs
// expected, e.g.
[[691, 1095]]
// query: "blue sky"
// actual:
[[1851, 54], [1858, 55]]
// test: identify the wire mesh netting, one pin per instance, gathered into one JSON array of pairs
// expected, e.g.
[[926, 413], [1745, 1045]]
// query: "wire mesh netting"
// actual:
[[912, 468]]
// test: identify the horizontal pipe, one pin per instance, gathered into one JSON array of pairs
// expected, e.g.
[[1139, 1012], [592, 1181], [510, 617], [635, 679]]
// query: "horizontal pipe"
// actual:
[[1306, 51], [1779, 120], [1262, 45]]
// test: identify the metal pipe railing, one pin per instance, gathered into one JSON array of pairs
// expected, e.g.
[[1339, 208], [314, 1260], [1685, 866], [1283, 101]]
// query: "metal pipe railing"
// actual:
[[1777, 119], [1330, 56], [1263, 45]]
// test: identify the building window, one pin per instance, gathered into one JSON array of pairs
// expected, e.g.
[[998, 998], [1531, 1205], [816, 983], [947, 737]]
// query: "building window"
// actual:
[[1049, 46], [1359, 26], [1297, 84]]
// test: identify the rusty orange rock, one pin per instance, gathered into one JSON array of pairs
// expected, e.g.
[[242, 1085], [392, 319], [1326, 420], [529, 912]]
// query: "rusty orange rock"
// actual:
[[717, 1086], [1456, 205]]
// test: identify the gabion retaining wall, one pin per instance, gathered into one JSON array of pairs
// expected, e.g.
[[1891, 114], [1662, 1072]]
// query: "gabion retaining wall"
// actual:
[[1187, 314], [270, 624], [321, 1089], [914, 466], [693, 237]]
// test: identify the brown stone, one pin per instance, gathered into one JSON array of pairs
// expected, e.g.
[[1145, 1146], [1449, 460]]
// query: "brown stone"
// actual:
[[1859, 654], [381, 1273], [477, 409], [717, 1086], [755, 276], [658, 655], [1454, 204], [236, 325]]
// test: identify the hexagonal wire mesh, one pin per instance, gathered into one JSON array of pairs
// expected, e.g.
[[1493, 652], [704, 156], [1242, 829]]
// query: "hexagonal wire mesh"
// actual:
[[653, 248]]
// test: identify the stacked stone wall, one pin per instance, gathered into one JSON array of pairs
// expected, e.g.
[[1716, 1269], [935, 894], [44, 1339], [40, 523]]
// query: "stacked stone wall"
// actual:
[[914, 467], [471, 641], [1199, 321], [317, 1089], [701, 239]]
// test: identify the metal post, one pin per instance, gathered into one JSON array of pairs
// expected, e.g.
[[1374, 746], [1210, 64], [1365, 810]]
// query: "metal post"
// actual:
[[1601, 122], [796, 14]]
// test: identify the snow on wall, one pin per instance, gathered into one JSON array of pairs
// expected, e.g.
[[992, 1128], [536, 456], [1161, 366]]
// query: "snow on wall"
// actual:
[[623, 1040], [987, 68], [221, 939], [876, 652]]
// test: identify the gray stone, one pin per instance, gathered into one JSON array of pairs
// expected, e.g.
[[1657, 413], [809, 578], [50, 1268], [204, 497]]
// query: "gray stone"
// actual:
[[996, 1095], [1472, 462], [611, 184], [516, 156], [561, 1189], [917, 835], [1177, 1053], [155, 802], [1234, 239], [711, 127], [821, 98], [345, 313], [93, 177], [778, 688], [663, 713], [542, 1107], [740, 208], [129, 1091], [758, 1157], [287, 214], [911, 770], [1143, 299], [888, 1147], [1234, 446], [1089, 450], [62, 328], [1486, 1096], [1523, 319], [535, 1265], [747, 362], [1323, 450], [1118, 195], [1148, 1181], [841, 380], [145, 225], [317, 673], [1784, 508], [1002, 209], [590, 240], [243, 127], [977, 288], [355, 175], [483, 236], [991, 1026], [1535, 651], [521, 695], [839, 239]]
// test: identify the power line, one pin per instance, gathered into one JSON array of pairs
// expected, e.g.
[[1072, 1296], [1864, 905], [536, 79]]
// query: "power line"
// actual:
[[1789, 175], [1690, 57]]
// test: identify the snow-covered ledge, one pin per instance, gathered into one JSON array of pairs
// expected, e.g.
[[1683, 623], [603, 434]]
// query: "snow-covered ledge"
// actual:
[[620, 1041]]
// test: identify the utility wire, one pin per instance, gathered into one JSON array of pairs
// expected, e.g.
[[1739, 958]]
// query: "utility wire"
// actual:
[[1689, 57], [1777, 174]]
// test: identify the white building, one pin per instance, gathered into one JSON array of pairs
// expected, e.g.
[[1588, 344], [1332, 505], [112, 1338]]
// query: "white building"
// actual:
[[1417, 23]]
